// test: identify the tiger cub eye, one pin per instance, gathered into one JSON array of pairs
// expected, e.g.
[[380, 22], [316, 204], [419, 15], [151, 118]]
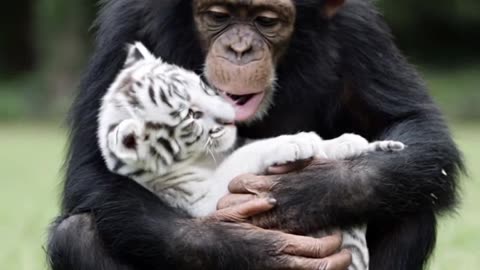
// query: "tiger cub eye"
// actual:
[[196, 114]]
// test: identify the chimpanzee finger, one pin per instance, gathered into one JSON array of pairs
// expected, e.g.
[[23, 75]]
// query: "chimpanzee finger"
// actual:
[[289, 167], [241, 212], [234, 199], [252, 184], [312, 247], [339, 261]]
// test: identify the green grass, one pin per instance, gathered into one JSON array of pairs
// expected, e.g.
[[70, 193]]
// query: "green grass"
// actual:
[[30, 162], [456, 90], [459, 235]]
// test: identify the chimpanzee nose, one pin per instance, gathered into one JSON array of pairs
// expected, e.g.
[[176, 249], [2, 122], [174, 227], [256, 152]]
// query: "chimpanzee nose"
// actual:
[[241, 46], [241, 49]]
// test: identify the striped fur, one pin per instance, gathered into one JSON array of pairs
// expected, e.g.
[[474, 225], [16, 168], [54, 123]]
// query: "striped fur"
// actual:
[[157, 118], [160, 125]]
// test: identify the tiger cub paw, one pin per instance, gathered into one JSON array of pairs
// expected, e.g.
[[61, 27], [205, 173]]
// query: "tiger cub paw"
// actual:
[[387, 146], [346, 146], [290, 148]]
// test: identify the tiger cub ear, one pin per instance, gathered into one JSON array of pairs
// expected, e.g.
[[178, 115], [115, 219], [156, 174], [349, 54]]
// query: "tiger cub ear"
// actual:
[[138, 52]]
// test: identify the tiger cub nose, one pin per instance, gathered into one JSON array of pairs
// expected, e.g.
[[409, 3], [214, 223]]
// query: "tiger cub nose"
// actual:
[[216, 130]]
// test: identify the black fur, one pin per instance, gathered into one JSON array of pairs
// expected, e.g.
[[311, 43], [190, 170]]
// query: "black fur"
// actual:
[[343, 75]]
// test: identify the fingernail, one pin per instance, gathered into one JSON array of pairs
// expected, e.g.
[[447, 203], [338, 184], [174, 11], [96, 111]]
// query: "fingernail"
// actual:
[[272, 201]]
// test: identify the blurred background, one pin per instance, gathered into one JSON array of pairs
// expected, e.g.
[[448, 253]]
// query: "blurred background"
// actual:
[[44, 45]]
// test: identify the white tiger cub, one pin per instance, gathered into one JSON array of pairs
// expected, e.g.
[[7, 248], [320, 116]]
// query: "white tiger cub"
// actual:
[[160, 125]]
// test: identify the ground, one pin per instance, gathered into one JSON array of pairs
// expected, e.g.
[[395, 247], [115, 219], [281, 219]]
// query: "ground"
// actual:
[[31, 160]]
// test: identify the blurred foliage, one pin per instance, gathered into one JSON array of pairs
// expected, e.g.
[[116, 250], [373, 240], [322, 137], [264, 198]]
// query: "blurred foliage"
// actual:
[[58, 40], [456, 90], [44, 45], [444, 32]]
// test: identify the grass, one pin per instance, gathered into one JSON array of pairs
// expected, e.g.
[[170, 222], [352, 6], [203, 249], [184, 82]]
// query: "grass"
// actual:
[[30, 162], [456, 90], [459, 236]]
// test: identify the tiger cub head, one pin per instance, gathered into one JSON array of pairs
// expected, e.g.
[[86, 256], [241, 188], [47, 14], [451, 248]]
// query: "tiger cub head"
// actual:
[[180, 115]]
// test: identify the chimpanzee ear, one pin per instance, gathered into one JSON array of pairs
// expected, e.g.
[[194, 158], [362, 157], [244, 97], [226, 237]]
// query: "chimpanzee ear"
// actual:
[[138, 52], [332, 7]]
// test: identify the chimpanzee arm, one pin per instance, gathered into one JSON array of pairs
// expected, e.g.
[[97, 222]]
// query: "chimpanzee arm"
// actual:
[[398, 194], [375, 186], [382, 97]]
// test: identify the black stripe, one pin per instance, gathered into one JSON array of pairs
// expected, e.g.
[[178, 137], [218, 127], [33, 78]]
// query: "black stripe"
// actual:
[[180, 159], [166, 145], [186, 135], [175, 114], [159, 126], [177, 176], [208, 90], [180, 91], [151, 93], [354, 233], [182, 190], [156, 154], [154, 125], [188, 128], [112, 127], [170, 90], [125, 83], [133, 99], [118, 164], [194, 141], [137, 173], [174, 77], [161, 79], [199, 198], [164, 98]]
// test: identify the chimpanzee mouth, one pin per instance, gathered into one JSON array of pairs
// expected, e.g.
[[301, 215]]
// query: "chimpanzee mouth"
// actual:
[[246, 106], [240, 99]]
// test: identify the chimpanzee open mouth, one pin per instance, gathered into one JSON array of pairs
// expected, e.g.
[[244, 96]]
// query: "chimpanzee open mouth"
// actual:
[[240, 99], [245, 105]]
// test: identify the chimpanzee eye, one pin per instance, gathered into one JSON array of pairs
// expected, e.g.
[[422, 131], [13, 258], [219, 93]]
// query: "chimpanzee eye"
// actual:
[[219, 17], [267, 22]]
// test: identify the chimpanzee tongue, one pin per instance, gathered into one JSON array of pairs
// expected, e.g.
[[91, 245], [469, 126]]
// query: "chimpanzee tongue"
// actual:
[[245, 105]]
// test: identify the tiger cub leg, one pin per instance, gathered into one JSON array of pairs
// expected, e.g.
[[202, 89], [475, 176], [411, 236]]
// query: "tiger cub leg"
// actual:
[[355, 241], [351, 145]]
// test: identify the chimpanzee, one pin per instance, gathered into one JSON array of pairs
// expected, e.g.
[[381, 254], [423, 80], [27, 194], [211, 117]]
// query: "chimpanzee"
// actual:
[[328, 66]]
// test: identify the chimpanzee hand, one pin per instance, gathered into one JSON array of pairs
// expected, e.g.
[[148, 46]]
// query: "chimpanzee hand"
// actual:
[[302, 190], [247, 188], [278, 250]]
